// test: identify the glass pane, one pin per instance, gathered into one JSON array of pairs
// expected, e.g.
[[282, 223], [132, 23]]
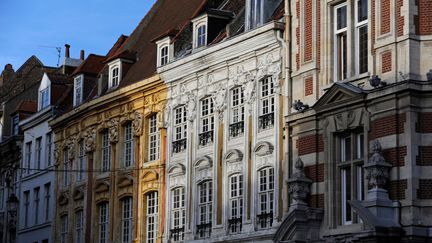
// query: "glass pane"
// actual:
[[363, 49], [362, 10], [341, 17]]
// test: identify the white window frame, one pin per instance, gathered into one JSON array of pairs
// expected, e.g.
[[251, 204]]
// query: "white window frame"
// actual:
[[114, 80], [153, 138], [178, 217], [48, 148], [127, 216], [28, 155], [38, 152], [338, 74], [78, 90], [81, 165], [180, 123], [206, 115], [152, 214], [128, 145], [267, 96], [205, 206], [164, 55], [79, 226], [47, 201], [199, 41], [256, 19], [237, 105], [103, 224], [359, 25], [201, 38], [105, 152], [163, 59], [266, 198], [64, 229], [235, 207], [44, 98]]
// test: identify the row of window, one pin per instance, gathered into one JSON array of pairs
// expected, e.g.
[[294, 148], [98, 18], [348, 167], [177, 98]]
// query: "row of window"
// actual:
[[236, 128], [32, 206], [33, 157], [205, 213]]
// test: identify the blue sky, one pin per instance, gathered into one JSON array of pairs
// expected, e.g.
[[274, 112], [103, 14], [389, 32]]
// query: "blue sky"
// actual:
[[91, 25]]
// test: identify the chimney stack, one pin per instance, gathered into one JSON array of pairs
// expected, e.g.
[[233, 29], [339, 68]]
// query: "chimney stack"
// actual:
[[82, 55], [67, 53]]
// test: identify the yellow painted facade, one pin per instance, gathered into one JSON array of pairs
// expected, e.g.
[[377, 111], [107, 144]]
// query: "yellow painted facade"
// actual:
[[83, 130]]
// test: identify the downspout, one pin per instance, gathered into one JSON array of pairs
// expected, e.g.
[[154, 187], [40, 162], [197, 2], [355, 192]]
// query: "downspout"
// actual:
[[288, 55]]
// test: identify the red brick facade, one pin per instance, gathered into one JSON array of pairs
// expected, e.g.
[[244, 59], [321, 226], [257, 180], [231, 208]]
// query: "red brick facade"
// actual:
[[318, 30], [423, 21], [308, 30], [424, 123], [386, 62], [372, 34], [396, 189], [308, 86], [424, 157], [395, 156], [385, 16], [425, 189], [315, 172], [316, 201], [386, 126], [298, 35], [310, 144], [400, 18]]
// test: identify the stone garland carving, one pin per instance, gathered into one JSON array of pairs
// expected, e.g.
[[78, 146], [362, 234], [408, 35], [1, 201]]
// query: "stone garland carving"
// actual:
[[219, 100], [89, 140], [113, 129], [234, 167], [137, 124], [377, 169], [191, 107], [298, 184], [203, 173], [178, 180]]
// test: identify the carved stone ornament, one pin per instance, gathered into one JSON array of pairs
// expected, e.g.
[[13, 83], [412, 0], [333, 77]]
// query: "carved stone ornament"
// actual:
[[377, 169], [249, 90], [57, 149], [191, 107], [166, 115], [219, 100], [137, 123], [299, 184], [89, 139], [237, 75], [113, 129], [71, 148]]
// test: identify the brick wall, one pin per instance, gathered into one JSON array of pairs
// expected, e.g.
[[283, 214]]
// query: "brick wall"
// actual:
[[308, 86], [396, 189], [400, 18], [310, 144], [425, 189], [424, 157], [298, 35], [424, 123], [395, 156], [308, 30], [386, 62], [386, 126], [372, 36], [385, 16], [423, 21], [315, 172], [318, 30], [316, 200]]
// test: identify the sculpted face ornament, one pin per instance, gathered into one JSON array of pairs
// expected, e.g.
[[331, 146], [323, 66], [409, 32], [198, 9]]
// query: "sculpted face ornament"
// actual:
[[89, 139], [113, 129], [137, 123], [191, 107], [219, 100]]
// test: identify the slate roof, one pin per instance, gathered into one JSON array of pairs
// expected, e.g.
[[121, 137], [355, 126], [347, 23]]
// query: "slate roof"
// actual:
[[92, 65]]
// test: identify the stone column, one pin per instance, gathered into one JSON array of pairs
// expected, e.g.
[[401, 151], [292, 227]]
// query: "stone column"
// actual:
[[89, 140]]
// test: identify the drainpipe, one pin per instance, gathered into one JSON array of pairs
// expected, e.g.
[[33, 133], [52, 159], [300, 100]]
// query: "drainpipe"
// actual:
[[288, 54]]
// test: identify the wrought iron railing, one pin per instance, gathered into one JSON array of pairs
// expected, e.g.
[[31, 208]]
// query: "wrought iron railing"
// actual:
[[205, 138], [266, 121], [235, 225], [204, 230], [265, 220], [236, 129], [177, 234], [179, 145]]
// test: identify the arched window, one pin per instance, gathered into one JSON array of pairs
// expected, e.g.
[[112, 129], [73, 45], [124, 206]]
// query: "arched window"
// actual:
[[163, 55], [267, 104], [126, 229], [115, 76], [151, 216], [178, 217], [103, 222], [205, 211], [201, 39], [235, 203], [237, 112], [265, 197]]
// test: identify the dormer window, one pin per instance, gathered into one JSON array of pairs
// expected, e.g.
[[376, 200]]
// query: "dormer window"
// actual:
[[114, 76], [254, 13], [201, 36], [164, 55], [44, 98], [164, 51], [200, 31], [78, 90]]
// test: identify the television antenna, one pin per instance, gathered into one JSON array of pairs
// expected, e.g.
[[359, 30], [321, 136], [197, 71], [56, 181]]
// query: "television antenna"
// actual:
[[58, 49]]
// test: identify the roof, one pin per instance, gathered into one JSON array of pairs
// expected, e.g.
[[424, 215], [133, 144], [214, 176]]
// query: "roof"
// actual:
[[92, 65], [59, 79], [27, 106]]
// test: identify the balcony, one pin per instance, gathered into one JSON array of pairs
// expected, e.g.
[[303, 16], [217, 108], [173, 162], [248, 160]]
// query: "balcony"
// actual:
[[236, 129], [266, 121], [204, 230], [235, 225], [205, 138], [265, 220], [179, 145], [177, 234]]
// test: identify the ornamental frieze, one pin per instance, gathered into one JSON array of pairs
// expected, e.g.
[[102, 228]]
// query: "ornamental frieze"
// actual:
[[89, 139], [137, 124], [113, 129]]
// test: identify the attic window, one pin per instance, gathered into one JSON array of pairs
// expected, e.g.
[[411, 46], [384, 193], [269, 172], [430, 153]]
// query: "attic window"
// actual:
[[114, 76], [44, 98], [254, 13], [163, 55], [201, 39], [78, 90], [200, 31]]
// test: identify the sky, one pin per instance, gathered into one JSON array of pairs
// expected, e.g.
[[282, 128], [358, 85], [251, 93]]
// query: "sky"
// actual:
[[90, 25]]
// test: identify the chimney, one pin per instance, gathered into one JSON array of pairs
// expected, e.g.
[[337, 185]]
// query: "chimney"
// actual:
[[67, 53], [82, 55]]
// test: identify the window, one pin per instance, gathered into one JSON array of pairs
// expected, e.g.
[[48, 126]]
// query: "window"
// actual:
[[105, 166], [205, 209], [79, 226], [28, 156], [78, 90], [26, 208], [65, 168], [361, 24], [115, 77], [153, 138], [38, 152], [235, 203], [152, 217], [267, 104], [178, 214], [351, 154], [47, 201], [2, 192], [201, 39], [48, 151], [341, 41], [44, 96], [163, 55], [36, 205], [206, 122], [180, 129], [127, 220], [237, 112], [265, 197], [255, 17], [81, 161], [64, 229], [128, 145], [15, 125], [103, 222]]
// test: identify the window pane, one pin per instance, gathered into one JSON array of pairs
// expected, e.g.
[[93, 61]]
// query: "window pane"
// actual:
[[363, 49], [362, 10], [341, 17]]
